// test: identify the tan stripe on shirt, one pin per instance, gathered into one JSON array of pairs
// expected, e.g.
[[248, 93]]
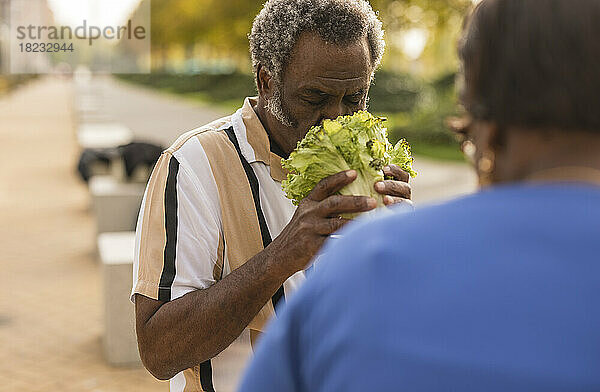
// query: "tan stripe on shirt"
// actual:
[[240, 223], [154, 237], [192, 380]]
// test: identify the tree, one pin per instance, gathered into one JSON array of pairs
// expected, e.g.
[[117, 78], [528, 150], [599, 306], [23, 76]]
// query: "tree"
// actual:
[[223, 26], [438, 22]]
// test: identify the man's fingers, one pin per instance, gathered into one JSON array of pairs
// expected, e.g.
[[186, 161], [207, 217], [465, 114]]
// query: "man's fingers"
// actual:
[[337, 204], [394, 188], [330, 185], [393, 200], [330, 225], [396, 172]]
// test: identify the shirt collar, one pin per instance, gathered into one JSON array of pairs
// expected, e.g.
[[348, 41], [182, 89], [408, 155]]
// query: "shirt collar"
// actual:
[[258, 140]]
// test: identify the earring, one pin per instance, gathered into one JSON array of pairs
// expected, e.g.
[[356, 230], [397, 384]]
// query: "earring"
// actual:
[[469, 149]]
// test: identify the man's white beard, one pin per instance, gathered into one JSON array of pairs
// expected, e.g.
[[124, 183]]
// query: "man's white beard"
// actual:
[[275, 107]]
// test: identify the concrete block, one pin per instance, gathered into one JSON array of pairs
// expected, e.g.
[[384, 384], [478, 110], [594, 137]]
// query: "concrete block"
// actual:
[[87, 104], [94, 117], [115, 204], [116, 254], [103, 135]]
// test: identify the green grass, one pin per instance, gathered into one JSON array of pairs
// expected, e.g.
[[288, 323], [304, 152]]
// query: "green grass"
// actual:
[[437, 151], [229, 105]]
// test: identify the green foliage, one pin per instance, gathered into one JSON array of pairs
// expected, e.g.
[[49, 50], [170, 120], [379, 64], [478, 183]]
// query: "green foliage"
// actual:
[[222, 24], [216, 87], [442, 152], [357, 142], [424, 121], [440, 20], [394, 92]]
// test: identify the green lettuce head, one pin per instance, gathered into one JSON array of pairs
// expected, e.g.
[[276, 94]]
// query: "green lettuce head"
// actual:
[[357, 142]]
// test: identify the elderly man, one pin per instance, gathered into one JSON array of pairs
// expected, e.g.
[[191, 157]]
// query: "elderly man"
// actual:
[[218, 244]]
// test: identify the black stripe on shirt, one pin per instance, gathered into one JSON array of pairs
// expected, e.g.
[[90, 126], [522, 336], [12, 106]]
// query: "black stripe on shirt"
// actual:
[[168, 273], [206, 377], [264, 230], [279, 296]]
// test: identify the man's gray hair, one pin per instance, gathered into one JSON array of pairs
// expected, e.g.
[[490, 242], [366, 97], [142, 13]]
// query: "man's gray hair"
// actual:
[[279, 24]]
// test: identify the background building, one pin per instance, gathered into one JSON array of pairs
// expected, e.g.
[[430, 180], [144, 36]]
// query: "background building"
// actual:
[[4, 31], [25, 13]]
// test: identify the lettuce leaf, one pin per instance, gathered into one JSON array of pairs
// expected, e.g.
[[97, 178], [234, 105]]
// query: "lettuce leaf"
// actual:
[[356, 142]]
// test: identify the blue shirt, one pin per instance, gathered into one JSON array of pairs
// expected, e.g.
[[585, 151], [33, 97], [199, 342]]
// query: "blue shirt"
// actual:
[[499, 291]]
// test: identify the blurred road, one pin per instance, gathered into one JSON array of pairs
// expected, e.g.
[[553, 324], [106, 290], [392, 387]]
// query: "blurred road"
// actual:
[[439, 181], [50, 296], [152, 116]]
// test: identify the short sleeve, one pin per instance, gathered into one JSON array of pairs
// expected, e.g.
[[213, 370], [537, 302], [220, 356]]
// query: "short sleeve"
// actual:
[[179, 243]]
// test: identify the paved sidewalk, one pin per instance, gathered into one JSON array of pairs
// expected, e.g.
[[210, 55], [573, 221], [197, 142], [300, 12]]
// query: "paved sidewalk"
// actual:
[[50, 295]]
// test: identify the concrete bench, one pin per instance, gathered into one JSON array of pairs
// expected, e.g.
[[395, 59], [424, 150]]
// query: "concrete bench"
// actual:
[[94, 117], [115, 204], [87, 104], [103, 135], [116, 254]]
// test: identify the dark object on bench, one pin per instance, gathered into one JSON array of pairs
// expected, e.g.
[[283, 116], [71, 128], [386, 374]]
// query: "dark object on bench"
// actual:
[[137, 154], [91, 156], [134, 155]]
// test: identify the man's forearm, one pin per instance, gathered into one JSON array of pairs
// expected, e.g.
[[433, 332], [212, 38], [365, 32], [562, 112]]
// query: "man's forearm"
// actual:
[[189, 330]]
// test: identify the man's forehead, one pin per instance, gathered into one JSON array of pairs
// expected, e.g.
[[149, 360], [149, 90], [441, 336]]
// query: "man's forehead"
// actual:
[[315, 61], [334, 85]]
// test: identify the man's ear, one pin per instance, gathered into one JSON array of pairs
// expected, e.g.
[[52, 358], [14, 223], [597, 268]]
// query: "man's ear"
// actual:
[[264, 82]]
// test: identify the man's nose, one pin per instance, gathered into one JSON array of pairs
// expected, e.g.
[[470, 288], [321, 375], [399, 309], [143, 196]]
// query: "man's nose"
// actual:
[[335, 110]]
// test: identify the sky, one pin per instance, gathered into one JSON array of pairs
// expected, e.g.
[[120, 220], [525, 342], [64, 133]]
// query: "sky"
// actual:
[[98, 12]]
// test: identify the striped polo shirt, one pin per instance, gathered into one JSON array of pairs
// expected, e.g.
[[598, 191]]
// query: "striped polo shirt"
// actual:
[[213, 201]]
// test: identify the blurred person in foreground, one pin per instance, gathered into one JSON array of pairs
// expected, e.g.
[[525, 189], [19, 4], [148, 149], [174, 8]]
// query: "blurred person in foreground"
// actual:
[[497, 291], [218, 244]]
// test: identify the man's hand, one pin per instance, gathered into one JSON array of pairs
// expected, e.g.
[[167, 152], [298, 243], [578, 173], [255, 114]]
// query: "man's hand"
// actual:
[[397, 190], [317, 216]]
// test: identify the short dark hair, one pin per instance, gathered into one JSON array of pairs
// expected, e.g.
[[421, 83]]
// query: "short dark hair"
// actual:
[[533, 63]]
